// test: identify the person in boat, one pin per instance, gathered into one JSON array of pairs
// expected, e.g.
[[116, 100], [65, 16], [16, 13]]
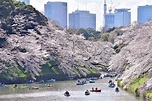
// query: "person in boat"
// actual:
[[66, 92], [92, 88], [96, 88], [15, 86], [117, 89], [87, 92], [110, 81]]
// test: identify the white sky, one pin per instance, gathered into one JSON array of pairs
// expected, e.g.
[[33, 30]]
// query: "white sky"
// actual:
[[96, 6]]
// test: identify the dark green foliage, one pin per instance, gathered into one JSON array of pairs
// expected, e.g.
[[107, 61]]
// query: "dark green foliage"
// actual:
[[51, 67], [6, 27], [3, 12], [6, 7], [93, 33], [3, 42], [29, 11], [10, 8], [18, 4], [111, 29], [83, 32], [88, 33]]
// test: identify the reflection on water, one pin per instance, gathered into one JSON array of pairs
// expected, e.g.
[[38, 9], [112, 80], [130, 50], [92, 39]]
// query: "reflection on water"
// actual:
[[55, 93]]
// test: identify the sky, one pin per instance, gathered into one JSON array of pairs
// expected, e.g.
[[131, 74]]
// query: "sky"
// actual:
[[96, 7]]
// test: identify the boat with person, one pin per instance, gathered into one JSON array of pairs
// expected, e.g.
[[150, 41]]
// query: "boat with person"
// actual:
[[49, 85], [81, 82], [15, 86], [110, 81], [2, 84], [30, 81], [87, 92], [91, 81], [51, 80], [116, 89], [95, 90], [67, 94], [111, 85]]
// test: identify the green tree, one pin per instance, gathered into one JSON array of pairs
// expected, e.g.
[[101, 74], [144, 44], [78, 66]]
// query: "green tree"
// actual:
[[105, 37], [6, 7], [83, 32], [93, 33], [88, 33], [18, 4]]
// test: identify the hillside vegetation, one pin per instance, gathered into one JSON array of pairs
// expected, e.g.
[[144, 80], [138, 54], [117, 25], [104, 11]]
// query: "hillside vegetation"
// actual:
[[133, 61], [32, 46]]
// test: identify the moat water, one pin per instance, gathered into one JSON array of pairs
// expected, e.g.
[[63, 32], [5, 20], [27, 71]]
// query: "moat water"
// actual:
[[57, 89]]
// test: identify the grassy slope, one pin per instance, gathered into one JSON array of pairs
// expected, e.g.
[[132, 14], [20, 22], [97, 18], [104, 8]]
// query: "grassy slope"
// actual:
[[133, 88]]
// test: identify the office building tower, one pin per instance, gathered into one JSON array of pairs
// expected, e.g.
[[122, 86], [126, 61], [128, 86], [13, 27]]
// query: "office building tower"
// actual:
[[122, 17], [27, 2], [56, 11], [109, 20], [118, 18], [144, 14], [82, 19]]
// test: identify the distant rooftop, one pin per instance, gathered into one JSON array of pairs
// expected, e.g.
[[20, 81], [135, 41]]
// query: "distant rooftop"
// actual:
[[81, 11], [56, 2], [145, 6], [122, 9]]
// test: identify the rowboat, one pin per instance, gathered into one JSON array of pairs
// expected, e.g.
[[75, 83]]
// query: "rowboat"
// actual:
[[67, 94], [87, 92], [98, 90]]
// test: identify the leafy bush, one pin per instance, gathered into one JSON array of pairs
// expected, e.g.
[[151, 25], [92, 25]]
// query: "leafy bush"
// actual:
[[105, 37], [18, 4]]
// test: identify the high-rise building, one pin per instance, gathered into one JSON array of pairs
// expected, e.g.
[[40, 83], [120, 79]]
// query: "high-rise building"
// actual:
[[82, 19], [144, 13], [56, 11], [109, 20], [121, 17], [118, 18], [27, 2]]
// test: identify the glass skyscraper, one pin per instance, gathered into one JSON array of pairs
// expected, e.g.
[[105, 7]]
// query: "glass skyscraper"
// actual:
[[120, 18], [144, 14], [109, 20], [56, 11], [82, 19]]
